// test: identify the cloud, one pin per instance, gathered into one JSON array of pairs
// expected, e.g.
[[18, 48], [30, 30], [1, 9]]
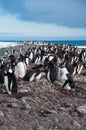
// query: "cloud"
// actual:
[[64, 12], [69, 13], [11, 26]]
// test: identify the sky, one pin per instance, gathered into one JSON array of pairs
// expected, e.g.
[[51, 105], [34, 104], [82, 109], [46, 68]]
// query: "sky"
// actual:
[[42, 19]]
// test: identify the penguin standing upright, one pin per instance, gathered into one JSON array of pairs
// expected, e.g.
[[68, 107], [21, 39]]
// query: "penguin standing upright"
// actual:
[[51, 72], [10, 82], [20, 69], [26, 57]]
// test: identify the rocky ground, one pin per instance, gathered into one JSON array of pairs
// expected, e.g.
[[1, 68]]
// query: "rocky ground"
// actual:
[[43, 106]]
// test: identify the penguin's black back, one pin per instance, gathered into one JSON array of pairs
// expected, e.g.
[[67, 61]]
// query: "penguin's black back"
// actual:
[[53, 72], [12, 78]]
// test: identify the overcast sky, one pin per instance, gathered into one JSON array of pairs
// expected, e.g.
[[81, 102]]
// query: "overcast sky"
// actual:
[[43, 19]]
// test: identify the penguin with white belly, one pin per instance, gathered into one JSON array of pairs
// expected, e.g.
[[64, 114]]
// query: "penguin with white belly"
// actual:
[[10, 82]]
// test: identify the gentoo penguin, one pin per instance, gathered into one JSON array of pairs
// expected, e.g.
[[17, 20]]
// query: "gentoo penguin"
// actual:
[[82, 55], [31, 54], [35, 73], [2, 68], [66, 78], [54, 73], [10, 82], [20, 69], [51, 73], [68, 82], [29, 76], [26, 59], [1, 62], [1, 77], [40, 72], [70, 65], [80, 67]]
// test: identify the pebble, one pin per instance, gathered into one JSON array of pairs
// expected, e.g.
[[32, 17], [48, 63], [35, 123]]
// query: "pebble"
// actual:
[[56, 120], [1, 118], [82, 109], [75, 123], [9, 100], [1, 114], [23, 90], [25, 104], [15, 105], [58, 127], [35, 127], [1, 122], [13, 128], [83, 128]]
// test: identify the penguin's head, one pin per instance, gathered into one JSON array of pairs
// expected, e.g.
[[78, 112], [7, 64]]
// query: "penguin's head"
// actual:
[[10, 70]]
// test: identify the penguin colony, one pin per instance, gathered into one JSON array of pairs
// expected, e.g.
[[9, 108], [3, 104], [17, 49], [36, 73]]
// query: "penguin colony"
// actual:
[[55, 62]]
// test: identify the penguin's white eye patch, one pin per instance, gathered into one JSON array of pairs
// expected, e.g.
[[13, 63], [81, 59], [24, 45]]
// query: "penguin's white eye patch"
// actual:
[[10, 71], [5, 72]]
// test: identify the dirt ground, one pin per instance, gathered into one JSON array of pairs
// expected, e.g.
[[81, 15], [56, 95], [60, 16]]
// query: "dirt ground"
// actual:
[[43, 106]]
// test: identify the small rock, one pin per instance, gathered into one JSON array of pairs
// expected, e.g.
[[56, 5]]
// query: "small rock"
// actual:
[[65, 105], [23, 101], [81, 109], [1, 114], [58, 126], [1, 118], [10, 100], [41, 128], [28, 106], [63, 109], [35, 127], [12, 105], [44, 113], [84, 128], [75, 123], [23, 107], [25, 104], [56, 120], [1, 121], [23, 90], [13, 128]]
